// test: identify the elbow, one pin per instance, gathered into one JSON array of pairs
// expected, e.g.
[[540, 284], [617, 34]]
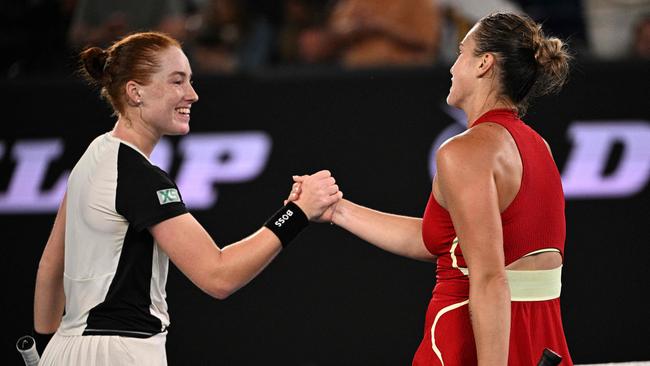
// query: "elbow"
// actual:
[[219, 281], [498, 281], [493, 283], [220, 289], [218, 293]]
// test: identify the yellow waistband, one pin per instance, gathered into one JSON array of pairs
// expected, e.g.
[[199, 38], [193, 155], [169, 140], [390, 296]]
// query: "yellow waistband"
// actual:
[[535, 285]]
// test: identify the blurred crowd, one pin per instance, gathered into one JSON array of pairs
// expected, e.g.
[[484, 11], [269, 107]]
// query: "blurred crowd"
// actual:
[[234, 36]]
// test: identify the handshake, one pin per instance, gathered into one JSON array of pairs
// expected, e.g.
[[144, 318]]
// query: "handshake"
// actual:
[[317, 195]]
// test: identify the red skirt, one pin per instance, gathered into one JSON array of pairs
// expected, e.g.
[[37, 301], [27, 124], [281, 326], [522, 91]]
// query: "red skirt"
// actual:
[[449, 340]]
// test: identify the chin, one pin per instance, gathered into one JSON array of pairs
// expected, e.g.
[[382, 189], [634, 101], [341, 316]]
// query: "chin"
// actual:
[[183, 131], [451, 101], [180, 128], [178, 131]]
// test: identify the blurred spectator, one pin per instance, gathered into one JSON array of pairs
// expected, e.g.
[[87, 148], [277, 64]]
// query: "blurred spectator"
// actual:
[[300, 17], [370, 33], [100, 22], [642, 38], [610, 26], [230, 37], [561, 18], [460, 16]]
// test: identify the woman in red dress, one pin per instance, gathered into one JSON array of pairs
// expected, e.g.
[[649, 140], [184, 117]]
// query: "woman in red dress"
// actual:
[[495, 220]]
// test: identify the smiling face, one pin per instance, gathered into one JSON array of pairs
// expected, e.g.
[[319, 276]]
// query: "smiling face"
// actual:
[[167, 99], [463, 72]]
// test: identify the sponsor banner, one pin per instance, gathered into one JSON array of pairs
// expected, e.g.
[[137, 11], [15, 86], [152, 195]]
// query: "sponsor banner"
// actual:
[[202, 165], [332, 297]]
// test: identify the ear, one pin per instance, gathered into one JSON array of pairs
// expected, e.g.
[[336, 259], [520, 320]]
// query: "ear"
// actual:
[[486, 64], [133, 95]]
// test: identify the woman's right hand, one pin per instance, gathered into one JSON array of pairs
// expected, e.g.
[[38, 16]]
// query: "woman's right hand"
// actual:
[[327, 213]]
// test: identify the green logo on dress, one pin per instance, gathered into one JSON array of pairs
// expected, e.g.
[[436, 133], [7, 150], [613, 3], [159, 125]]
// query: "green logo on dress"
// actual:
[[168, 196]]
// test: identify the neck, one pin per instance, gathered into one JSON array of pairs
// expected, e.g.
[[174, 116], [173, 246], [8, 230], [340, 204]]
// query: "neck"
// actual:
[[137, 133], [484, 99], [474, 113]]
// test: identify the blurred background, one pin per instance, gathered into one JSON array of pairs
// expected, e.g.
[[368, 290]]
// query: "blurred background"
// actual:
[[358, 87], [42, 37]]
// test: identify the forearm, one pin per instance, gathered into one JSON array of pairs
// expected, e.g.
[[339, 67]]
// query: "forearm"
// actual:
[[49, 300], [49, 297], [401, 235], [221, 272], [218, 272], [489, 305], [244, 260]]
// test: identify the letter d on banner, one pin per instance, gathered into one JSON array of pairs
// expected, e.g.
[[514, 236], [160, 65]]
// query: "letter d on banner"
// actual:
[[592, 145]]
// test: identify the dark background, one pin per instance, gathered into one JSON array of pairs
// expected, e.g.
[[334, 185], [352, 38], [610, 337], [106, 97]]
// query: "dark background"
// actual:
[[331, 299]]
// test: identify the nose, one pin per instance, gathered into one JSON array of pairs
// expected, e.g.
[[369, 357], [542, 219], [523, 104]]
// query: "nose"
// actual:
[[191, 94]]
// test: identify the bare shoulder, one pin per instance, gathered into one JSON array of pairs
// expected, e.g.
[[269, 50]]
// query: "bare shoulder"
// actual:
[[494, 133], [475, 148]]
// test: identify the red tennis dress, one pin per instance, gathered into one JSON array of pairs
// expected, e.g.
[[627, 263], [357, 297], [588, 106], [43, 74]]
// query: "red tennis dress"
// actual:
[[533, 221]]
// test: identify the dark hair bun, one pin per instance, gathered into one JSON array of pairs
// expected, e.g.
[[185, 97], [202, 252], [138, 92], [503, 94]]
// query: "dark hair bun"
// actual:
[[93, 62], [553, 59], [531, 63]]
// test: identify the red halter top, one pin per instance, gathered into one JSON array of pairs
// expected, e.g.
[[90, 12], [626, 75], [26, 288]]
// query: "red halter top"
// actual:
[[535, 218]]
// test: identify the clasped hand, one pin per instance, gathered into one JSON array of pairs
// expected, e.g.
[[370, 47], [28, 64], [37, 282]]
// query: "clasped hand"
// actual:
[[316, 194]]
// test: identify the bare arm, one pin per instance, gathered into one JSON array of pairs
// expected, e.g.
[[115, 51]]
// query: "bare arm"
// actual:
[[217, 272], [401, 235], [221, 272], [49, 299], [467, 185]]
